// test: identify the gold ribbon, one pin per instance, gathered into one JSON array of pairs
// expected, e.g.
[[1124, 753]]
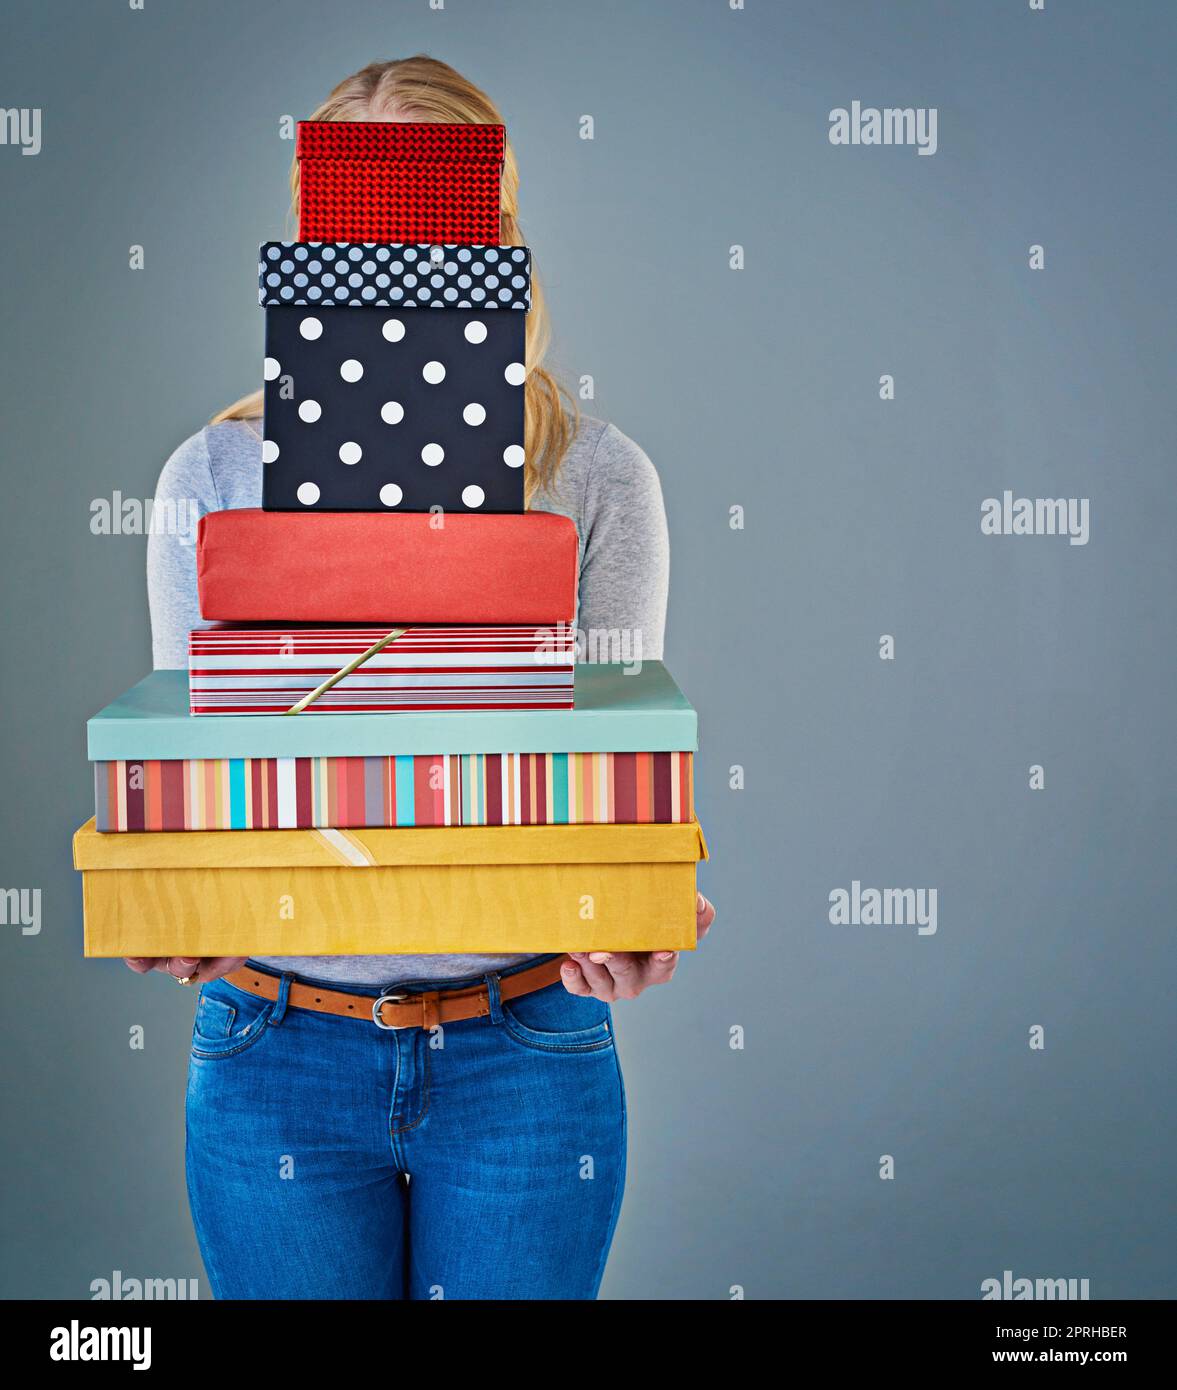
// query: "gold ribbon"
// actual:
[[353, 665]]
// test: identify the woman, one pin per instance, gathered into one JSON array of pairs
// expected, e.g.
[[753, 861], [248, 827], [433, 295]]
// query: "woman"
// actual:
[[331, 1158]]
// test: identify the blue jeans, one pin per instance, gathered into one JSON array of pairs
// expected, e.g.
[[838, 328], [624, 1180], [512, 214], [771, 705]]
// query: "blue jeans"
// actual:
[[302, 1127]]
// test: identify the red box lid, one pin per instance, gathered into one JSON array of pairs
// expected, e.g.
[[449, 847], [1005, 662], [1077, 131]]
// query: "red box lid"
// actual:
[[412, 142]]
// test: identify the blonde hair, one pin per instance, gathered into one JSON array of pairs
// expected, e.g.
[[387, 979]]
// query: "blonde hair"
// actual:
[[424, 89]]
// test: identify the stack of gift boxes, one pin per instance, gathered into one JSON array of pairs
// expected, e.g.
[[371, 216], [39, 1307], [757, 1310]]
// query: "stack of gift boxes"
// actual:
[[467, 801]]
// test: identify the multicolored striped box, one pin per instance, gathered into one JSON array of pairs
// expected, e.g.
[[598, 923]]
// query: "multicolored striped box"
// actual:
[[458, 789]]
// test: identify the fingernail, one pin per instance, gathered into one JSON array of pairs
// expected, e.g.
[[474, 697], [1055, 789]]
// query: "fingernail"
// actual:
[[700, 902], [568, 970], [576, 955], [665, 955], [187, 960], [600, 957]]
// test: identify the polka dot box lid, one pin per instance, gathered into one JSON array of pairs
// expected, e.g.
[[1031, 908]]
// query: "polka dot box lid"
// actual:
[[362, 275]]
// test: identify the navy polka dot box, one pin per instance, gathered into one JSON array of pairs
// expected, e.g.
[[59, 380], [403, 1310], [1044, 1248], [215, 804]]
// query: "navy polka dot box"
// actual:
[[394, 376]]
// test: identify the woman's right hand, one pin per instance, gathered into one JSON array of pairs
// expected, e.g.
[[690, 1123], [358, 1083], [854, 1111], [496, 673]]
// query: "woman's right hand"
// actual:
[[197, 970]]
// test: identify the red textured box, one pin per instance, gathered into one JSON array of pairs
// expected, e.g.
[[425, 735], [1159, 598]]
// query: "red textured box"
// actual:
[[360, 567], [399, 182]]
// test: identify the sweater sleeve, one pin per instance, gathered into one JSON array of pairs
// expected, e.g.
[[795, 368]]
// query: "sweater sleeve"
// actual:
[[187, 481], [625, 568]]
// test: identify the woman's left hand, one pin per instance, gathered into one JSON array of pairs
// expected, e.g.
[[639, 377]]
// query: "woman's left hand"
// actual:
[[611, 975]]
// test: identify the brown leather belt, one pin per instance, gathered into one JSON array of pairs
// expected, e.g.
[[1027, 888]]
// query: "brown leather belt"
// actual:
[[401, 1010]]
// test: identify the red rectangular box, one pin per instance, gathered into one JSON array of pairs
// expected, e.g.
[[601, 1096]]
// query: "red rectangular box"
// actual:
[[404, 567], [399, 182]]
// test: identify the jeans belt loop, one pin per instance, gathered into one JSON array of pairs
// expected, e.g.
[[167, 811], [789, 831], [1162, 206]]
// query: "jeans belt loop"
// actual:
[[496, 999], [279, 1010], [430, 1010]]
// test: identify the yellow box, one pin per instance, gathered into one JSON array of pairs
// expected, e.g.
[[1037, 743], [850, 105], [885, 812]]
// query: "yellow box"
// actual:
[[531, 888]]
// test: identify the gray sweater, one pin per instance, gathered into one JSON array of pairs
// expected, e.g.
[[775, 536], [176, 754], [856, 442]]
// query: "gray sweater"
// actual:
[[606, 485]]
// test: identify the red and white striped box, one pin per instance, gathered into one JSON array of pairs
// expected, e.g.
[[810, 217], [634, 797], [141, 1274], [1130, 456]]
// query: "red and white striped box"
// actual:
[[267, 670]]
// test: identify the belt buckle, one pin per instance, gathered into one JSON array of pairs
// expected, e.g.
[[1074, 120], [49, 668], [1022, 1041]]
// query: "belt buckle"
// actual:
[[377, 1005]]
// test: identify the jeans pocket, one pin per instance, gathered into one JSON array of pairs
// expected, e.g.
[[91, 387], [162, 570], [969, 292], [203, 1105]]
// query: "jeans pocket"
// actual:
[[552, 1020], [228, 1020]]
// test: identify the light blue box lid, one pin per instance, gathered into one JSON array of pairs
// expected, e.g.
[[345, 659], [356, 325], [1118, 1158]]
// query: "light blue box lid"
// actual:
[[643, 712]]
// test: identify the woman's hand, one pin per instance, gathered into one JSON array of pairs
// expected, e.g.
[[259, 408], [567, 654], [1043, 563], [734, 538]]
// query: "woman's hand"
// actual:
[[610, 975], [196, 970]]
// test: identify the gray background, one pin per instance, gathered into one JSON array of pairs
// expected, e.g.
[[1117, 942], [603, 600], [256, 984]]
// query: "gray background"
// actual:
[[760, 388]]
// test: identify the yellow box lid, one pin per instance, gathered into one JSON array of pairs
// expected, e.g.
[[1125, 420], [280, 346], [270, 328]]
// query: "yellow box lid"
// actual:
[[369, 848]]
